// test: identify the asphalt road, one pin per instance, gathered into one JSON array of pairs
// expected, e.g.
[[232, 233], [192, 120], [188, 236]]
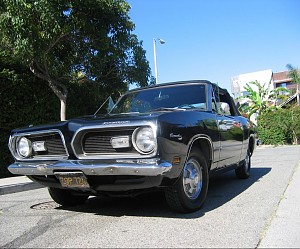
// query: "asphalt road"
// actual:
[[237, 213]]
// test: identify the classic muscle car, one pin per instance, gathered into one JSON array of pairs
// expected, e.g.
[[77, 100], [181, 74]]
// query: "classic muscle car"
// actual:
[[171, 137]]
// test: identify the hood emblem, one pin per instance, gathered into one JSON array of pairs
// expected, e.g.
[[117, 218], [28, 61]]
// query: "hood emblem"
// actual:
[[116, 122]]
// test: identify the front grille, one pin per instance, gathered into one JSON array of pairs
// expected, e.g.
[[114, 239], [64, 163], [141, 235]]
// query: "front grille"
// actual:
[[98, 142], [53, 143]]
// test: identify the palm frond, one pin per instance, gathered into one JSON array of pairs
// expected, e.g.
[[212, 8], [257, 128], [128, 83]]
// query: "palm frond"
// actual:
[[293, 74]]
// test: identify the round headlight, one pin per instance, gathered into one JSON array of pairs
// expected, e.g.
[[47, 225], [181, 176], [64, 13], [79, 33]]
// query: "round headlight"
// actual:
[[24, 147], [144, 140]]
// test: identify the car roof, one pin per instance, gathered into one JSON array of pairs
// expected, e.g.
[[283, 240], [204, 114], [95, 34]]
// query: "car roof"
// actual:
[[177, 83]]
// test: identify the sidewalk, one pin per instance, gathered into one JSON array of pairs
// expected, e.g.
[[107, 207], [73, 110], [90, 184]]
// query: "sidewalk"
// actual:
[[17, 184], [283, 231]]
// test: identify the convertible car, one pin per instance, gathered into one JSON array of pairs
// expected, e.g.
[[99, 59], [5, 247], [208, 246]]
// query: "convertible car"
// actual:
[[169, 137]]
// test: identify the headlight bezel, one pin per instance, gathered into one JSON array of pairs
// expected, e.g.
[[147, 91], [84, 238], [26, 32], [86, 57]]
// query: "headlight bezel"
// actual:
[[137, 135]]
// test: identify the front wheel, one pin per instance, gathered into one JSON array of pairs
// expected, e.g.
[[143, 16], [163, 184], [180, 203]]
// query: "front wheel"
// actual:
[[190, 190], [66, 197]]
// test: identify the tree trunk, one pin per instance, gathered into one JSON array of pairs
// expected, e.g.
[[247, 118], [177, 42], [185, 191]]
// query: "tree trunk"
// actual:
[[63, 103], [60, 90], [295, 138]]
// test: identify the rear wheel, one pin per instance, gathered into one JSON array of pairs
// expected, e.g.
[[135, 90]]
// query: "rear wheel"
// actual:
[[66, 197], [190, 190], [243, 172]]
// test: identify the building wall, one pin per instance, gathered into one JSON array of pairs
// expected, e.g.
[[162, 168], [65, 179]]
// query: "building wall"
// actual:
[[239, 82], [278, 79], [281, 79]]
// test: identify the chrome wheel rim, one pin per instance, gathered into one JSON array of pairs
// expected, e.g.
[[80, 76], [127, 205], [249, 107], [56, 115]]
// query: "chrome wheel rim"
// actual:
[[192, 179]]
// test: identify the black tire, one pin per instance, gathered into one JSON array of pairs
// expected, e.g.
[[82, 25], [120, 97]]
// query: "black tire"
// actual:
[[190, 190], [243, 171], [66, 197]]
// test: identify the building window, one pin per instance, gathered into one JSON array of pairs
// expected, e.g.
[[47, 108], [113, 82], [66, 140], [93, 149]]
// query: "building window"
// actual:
[[245, 94], [282, 85]]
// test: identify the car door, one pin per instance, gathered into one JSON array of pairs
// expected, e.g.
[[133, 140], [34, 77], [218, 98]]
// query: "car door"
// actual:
[[230, 131], [231, 140]]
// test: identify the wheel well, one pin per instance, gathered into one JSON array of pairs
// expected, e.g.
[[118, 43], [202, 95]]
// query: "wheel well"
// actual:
[[204, 145]]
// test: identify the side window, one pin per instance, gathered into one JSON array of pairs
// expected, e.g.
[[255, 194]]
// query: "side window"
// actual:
[[215, 100], [222, 102], [226, 105]]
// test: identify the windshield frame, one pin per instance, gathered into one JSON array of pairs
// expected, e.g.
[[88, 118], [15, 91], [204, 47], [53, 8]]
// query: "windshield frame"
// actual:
[[163, 86]]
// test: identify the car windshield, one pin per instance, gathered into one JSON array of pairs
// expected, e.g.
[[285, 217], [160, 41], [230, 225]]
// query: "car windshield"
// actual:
[[175, 97]]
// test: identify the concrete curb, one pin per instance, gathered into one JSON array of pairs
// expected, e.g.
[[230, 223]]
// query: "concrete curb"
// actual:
[[283, 231], [17, 184]]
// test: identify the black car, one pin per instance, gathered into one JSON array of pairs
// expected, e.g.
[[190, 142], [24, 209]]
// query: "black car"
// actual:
[[170, 136]]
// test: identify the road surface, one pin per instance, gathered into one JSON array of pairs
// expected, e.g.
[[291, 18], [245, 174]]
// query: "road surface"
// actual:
[[237, 213]]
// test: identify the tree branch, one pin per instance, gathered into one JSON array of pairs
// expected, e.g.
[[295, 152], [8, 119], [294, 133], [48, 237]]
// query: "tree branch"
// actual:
[[53, 84], [55, 42]]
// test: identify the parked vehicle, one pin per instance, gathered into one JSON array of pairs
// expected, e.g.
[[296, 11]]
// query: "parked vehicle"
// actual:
[[170, 136]]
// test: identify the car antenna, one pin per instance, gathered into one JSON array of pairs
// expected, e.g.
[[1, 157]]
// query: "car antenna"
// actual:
[[101, 105]]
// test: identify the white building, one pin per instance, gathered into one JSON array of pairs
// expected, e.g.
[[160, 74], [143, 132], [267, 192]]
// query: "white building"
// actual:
[[239, 82]]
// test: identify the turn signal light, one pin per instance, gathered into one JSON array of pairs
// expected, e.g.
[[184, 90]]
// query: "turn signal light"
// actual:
[[176, 160]]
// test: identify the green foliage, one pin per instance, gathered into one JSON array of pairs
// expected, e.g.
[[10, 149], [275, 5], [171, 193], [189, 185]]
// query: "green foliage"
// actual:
[[295, 124], [260, 99], [293, 74], [20, 106], [72, 36], [269, 130], [59, 40], [83, 50], [280, 126]]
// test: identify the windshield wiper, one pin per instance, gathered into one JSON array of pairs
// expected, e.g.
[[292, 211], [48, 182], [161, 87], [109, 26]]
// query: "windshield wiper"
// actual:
[[186, 106], [167, 109]]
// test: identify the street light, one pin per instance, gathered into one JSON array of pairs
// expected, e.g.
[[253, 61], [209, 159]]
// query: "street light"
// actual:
[[161, 41]]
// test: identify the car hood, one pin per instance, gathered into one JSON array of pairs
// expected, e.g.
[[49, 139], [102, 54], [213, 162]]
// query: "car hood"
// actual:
[[111, 119], [92, 120]]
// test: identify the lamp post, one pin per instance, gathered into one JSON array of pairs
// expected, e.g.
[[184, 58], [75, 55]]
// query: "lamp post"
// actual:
[[161, 41]]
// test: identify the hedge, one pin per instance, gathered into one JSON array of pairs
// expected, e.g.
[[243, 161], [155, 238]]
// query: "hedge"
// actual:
[[281, 126], [25, 100]]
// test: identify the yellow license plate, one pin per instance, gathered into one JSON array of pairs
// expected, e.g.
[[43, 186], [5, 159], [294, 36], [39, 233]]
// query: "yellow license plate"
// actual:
[[72, 180]]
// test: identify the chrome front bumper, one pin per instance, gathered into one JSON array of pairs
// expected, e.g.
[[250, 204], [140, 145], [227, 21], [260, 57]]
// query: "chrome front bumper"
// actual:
[[149, 167]]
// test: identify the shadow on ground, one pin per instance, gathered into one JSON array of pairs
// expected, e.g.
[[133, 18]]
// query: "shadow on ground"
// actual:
[[222, 189]]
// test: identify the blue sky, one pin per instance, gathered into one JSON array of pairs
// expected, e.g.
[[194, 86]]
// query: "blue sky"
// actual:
[[218, 39]]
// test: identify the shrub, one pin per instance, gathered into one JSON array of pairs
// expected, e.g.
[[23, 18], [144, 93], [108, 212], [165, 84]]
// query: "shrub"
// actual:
[[295, 124], [280, 126], [25, 100]]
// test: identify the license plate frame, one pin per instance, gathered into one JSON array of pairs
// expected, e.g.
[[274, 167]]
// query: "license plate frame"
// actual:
[[72, 180]]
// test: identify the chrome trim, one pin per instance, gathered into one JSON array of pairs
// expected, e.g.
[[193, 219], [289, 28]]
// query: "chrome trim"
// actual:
[[133, 139], [151, 167], [113, 155], [17, 141], [12, 145], [201, 136]]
